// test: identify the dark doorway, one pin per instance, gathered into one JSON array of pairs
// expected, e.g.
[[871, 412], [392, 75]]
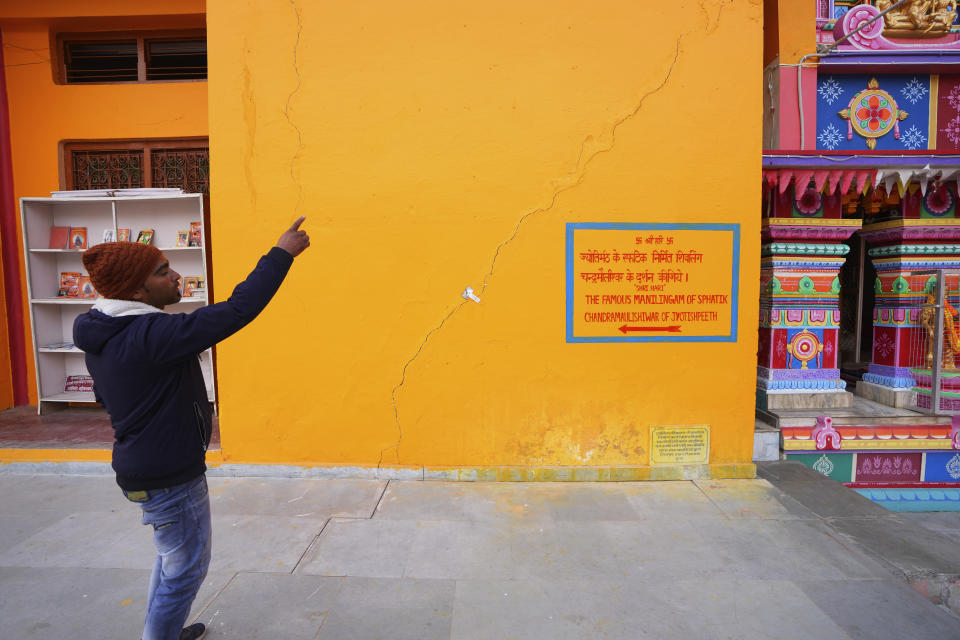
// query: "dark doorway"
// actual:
[[857, 277]]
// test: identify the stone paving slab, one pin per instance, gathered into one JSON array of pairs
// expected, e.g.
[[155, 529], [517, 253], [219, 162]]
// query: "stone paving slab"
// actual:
[[752, 499], [946, 523], [82, 602], [271, 605], [391, 609], [310, 498], [874, 609]]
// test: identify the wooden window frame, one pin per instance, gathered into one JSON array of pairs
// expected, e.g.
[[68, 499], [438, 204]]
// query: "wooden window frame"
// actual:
[[140, 37], [136, 144]]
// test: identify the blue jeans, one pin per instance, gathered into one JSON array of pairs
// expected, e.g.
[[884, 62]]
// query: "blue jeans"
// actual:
[[180, 517]]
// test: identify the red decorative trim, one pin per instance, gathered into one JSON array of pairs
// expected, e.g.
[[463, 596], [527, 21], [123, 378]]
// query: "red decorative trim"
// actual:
[[869, 432], [11, 264]]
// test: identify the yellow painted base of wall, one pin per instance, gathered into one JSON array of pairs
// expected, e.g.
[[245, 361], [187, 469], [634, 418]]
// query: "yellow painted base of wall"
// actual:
[[593, 474], [624, 473], [11, 455]]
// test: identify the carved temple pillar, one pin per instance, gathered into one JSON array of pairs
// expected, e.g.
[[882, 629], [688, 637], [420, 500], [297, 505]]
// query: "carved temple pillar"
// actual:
[[802, 251], [904, 253]]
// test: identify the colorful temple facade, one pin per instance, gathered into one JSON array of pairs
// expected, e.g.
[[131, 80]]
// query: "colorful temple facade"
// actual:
[[860, 222]]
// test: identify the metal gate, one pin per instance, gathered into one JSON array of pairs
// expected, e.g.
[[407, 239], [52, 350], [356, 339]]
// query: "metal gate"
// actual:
[[933, 340]]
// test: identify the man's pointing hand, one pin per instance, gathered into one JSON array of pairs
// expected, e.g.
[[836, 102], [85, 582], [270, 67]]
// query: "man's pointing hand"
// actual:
[[294, 240]]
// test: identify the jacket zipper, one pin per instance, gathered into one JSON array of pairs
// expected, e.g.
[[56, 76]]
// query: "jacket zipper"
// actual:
[[201, 426]]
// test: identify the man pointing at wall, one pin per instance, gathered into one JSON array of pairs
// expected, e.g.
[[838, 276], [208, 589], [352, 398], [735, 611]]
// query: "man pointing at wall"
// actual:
[[146, 372]]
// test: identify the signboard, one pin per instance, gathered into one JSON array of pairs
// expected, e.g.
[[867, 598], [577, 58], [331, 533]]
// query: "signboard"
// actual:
[[680, 445], [652, 282]]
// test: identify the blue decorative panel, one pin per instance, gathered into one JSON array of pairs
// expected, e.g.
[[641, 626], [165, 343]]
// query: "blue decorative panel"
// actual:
[[942, 467], [910, 93]]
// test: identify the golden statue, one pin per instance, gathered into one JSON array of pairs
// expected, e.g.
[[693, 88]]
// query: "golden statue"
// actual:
[[918, 18], [951, 338]]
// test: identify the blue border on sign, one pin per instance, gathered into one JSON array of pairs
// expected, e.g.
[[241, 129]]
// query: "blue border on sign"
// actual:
[[734, 289]]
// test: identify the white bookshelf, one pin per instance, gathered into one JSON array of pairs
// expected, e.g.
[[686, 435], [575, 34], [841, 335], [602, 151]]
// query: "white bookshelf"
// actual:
[[52, 317]]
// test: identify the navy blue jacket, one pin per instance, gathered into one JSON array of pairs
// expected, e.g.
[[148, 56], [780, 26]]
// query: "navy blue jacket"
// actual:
[[146, 371]]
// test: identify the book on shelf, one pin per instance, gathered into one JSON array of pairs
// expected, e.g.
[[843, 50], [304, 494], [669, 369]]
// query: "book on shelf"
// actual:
[[190, 285], [78, 237], [78, 383], [64, 346], [145, 236], [123, 235], [69, 284], [59, 237], [196, 234], [86, 287]]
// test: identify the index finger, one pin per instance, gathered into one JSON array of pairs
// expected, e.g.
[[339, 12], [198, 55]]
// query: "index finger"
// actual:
[[296, 225]]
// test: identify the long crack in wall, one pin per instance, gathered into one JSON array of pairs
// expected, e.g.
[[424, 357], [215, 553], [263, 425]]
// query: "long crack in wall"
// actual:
[[286, 109]]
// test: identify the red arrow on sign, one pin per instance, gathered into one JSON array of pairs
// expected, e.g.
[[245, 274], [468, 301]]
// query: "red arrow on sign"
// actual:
[[674, 329]]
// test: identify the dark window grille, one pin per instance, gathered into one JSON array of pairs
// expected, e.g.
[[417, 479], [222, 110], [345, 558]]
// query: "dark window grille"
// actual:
[[125, 164], [101, 61], [120, 169], [176, 59], [93, 58], [188, 169]]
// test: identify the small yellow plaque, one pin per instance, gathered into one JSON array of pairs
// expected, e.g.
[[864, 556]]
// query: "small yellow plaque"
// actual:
[[680, 445]]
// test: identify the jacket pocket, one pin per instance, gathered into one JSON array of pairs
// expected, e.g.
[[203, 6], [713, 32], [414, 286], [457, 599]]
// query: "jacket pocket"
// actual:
[[201, 426]]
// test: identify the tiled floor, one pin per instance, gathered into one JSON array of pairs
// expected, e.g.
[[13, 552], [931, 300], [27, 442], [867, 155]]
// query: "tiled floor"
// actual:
[[68, 428]]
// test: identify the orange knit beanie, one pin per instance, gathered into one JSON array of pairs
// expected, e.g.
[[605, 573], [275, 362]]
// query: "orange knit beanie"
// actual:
[[117, 269]]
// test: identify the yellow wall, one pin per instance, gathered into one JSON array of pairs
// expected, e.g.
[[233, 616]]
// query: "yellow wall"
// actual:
[[43, 113], [434, 137], [797, 25]]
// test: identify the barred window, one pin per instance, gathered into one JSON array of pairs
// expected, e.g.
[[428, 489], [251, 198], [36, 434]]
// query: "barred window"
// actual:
[[176, 59], [127, 164], [105, 58], [100, 61], [188, 169], [107, 169]]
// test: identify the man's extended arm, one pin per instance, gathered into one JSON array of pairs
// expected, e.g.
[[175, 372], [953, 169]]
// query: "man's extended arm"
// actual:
[[167, 338]]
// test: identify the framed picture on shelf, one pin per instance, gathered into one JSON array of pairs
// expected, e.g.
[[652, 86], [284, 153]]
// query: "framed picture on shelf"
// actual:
[[190, 284], [109, 235], [69, 284], [196, 234], [123, 235], [78, 237], [183, 238], [145, 236], [86, 287]]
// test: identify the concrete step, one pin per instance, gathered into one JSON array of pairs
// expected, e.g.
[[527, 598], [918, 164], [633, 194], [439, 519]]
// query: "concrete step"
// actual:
[[927, 560], [766, 442]]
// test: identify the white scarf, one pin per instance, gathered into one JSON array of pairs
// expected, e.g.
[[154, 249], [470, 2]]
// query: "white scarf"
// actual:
[[119, 308]]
